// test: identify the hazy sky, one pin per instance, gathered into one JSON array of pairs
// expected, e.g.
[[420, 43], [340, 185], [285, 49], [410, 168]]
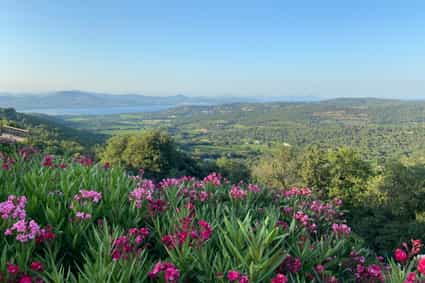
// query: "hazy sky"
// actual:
[[321, 48]]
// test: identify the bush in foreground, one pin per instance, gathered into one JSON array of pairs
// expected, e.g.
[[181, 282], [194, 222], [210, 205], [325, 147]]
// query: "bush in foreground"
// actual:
[[75, 221]]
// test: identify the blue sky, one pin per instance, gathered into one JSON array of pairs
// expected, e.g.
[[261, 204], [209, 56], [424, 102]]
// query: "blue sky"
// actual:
[[265, 48]]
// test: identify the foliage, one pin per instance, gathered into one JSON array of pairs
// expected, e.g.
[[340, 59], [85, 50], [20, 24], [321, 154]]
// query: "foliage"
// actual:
[[94, 223], [152, 151], [278, 168], [380, 129], [232, 169], [50, 134]]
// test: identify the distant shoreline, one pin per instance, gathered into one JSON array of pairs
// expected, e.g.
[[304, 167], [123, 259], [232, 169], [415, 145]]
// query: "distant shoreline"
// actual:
[[97, 110]]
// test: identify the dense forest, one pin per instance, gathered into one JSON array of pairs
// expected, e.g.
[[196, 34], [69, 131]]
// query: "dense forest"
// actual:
[[380, 129]]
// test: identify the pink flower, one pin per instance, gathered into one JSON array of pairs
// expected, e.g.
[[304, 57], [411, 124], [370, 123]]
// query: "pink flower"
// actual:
[[144, 191], [47, 161], [88, 195], [155, 270], [129, 245], [213, 178], [82, 215], [375, 271], [25, 231], [411, 277], [13, 207], [45, 235], [290, 264], [233, 275], [243, 279], [169, 241], [12, 269], [254, 188], [237, 193], [205, 230], [172, 274], [297, 192], [25, 279], [421, 266], [319, 268], [36, 266], [203, 196], [341, 229], [400, 256], [280, 278]]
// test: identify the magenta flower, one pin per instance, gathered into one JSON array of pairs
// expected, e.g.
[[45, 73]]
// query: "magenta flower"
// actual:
[[12, 269], [237, 193], [400, 256], [233, 275], [92, 196], [279, 278], [25, 279], [290, 264], [13, 207], [171, 273], [36, 266], [341, 229], [213, 178], [47, 161], [243, 279]]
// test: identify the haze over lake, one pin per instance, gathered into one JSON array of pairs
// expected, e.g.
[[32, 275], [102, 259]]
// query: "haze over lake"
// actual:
[[97, 110]]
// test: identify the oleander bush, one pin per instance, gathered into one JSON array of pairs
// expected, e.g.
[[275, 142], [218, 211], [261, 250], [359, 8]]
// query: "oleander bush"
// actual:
[[71, 220]]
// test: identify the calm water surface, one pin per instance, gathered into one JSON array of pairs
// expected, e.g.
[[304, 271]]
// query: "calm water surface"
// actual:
[[97, 110]]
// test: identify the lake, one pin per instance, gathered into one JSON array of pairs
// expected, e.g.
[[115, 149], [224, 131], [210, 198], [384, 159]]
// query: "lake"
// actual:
[[97, 110]]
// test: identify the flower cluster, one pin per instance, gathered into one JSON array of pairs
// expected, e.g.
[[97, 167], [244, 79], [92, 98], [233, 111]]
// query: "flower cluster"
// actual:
[[290, 265], [170, 182], [403, 254], [236, 192], [143, 192], [7, 162], [84, 160], [188, 232], [47, 161], [27, 152], [24, 230], [280, 278], [341, 229], [306, 192], [195, 194], [86, 195], [174, 207], [85, 199], [171, 273], [13, 207], [130, 244], [254, 188], [14, 273], [371, 273], [213, 179], [45, 235], [235, 276]]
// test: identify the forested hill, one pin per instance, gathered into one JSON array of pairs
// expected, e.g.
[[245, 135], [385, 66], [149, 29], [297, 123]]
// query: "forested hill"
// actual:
[[48, 131], [343, 110], [378, 127]]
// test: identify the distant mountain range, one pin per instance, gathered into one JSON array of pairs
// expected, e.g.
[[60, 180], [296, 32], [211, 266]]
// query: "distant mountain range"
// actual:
[[82, 99]]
